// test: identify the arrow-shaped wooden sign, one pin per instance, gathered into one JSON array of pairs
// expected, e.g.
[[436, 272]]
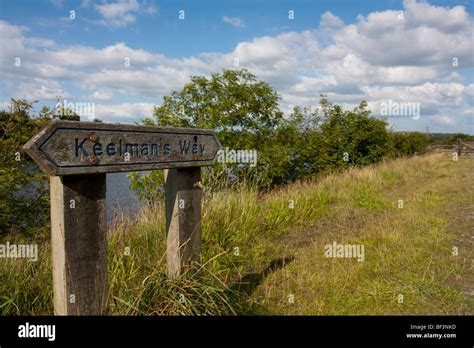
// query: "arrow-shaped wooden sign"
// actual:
[[77, 155], [72, 148]]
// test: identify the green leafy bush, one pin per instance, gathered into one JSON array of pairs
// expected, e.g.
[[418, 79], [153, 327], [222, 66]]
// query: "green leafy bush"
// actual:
[[409, 143], [24, 194]]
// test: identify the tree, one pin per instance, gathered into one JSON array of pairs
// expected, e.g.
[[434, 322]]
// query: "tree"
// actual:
[[24, 196], [353, 137], [228, 102], [409, 143], [242, 111]]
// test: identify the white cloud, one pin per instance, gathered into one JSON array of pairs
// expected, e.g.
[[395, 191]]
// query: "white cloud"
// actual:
[[234, 21], [110, 56], [442, 19], [152, 82], [102, 95], [132, 111], [432, 97], [385, 39], [122, 12], [330, 21], [443, 120], [262, 49], [39, 90]]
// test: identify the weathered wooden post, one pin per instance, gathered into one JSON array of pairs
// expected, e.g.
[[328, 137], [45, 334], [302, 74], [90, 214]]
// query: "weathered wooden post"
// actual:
[[459, 147], [183, 218], [77, 156], [79, 244]]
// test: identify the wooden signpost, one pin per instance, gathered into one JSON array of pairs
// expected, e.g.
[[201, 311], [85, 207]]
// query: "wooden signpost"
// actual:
[[77, 156]]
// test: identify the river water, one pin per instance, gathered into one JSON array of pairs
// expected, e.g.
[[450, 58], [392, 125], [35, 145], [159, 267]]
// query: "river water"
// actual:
[[120, 199]]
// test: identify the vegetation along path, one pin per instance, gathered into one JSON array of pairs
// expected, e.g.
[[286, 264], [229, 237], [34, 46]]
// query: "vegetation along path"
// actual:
[[414, 219], [268, 253]]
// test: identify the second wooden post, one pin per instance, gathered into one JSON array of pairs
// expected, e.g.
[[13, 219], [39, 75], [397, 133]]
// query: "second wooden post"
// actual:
[[183, 218]]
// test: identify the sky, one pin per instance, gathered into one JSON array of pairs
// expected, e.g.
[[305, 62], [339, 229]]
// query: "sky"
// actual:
[[123, 56]]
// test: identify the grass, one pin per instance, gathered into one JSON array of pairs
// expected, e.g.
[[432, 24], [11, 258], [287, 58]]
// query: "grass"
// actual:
[[264, 253]]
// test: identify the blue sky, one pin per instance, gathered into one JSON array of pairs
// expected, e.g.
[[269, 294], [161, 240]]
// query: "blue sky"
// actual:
[[379, 51]]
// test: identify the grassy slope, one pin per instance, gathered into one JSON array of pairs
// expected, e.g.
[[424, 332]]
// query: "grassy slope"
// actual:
[[281, 250], [408, 251]]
